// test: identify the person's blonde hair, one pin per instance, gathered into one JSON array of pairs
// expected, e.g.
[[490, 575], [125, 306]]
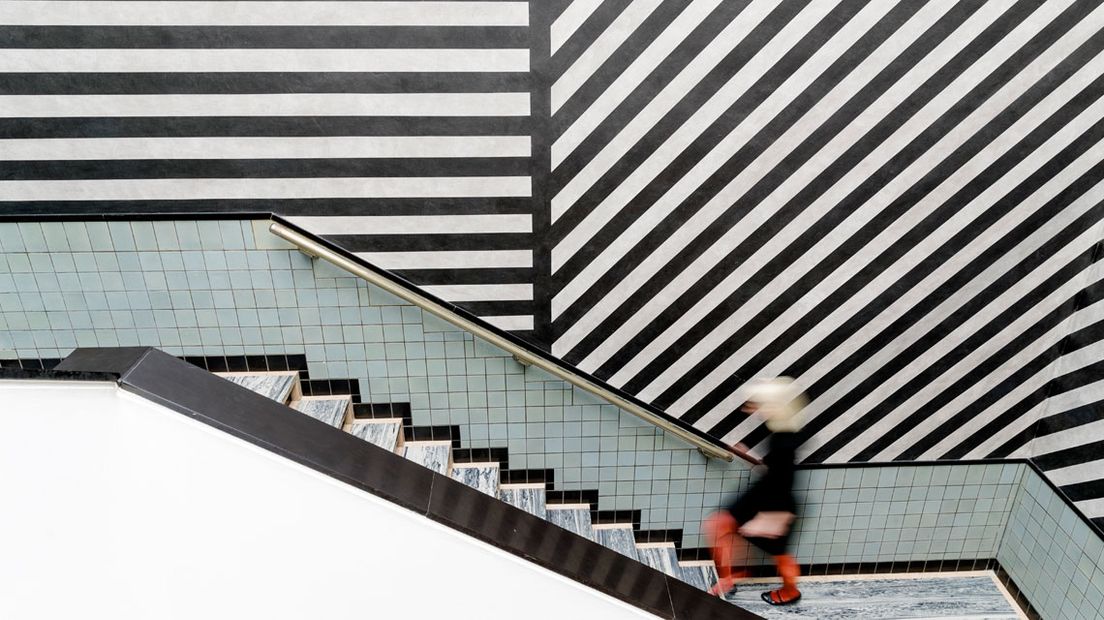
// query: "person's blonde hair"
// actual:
[[780, 403]]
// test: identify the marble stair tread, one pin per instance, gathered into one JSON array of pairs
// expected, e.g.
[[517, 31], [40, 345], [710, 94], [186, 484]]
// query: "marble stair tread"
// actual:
[[481, 476], [869, 597], [701, 575], [529, 497], [618, 537], [277, 386], [435, 455], [383, 433], [660, 556], [572, 517], [331, 410]]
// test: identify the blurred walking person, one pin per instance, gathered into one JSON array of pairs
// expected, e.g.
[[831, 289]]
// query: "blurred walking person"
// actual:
[[764, 514]]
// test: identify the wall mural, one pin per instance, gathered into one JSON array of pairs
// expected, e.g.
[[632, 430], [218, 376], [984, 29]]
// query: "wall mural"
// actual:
[[897, 203]]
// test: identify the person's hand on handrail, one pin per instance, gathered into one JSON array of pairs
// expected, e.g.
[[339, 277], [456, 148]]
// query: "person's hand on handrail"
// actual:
[[744, 452]]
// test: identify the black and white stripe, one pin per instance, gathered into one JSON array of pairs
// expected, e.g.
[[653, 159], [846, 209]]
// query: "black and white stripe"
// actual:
[[899, 204], [387, 115]]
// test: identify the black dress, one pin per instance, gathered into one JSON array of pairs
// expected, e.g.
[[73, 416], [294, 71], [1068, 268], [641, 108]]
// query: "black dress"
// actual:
[[771, 493]]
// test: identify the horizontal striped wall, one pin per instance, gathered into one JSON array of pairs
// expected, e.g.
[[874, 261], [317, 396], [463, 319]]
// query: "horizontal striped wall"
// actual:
[[897, 203], [400, 130]]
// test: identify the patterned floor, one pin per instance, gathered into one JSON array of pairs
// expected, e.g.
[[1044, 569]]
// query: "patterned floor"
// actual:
[[975, 596]]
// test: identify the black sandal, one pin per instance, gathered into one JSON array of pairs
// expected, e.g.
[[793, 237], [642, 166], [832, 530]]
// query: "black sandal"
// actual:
[[766, 596]]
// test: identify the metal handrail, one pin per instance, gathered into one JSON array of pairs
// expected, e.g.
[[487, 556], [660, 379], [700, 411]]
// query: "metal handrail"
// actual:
[[524, 356]]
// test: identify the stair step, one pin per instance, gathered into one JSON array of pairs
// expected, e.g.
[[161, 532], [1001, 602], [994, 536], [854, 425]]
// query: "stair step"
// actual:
[[700, 574], [432, 454], [617, 536], [383, 432], [481, 476], [572, 517], [529, 497], [279, 386], [333, 410], [660, 556]]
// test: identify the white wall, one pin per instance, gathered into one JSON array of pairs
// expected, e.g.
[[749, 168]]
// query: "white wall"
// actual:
[[114, 507]]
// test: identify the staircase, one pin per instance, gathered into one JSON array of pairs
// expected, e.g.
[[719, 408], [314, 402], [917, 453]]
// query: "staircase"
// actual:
[[438, 449]]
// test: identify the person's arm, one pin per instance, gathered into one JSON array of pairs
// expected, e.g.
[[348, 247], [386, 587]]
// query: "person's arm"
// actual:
[[742, 451]]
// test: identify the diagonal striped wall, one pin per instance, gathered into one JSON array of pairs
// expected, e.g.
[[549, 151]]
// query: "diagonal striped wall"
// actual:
[[897, 203], [398, 129]]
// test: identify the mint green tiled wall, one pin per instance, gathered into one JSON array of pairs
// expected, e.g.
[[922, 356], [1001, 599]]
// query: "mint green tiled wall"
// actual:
[[904, 513], [1053, 555], [231, 288]]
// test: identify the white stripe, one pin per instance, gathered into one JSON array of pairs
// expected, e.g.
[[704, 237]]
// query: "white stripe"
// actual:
[[226, 60], [1070, 437], [1029, 245], [960, 221], [127, 13], [675, 196], [1075, 474], [1018, 393], [482, 292], [600, 50], [747, 178], [1078, 359], [511, 323], [568, 22], [264, 148], [976, 321], [901, 183], [306, 104], [662, 103], [1093, 508], [838, 192], [1017, 426], [1054, 404], [271, 188], [487, 259], [640, 68], [658, 159], [415, 224]]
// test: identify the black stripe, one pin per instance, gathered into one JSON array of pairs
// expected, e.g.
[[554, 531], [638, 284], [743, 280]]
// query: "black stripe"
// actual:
[[874, 183], [261, 168], [288, 207], [616, 64], [416, 242], [658, 133], [827, 131], [979, 373], [670, 66], [692, 156], [984, 333], [835, 171], [911, 278], [1085, 453], [268, 37], [228, 83], [577, 44], [1078, 378], [1085, 490], [497, 308], [998, 422], [464, 275], [247, 126], [1050, 424]]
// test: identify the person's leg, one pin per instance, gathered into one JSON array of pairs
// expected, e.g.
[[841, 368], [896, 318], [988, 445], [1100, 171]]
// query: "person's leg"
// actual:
[[789, 571], [727, 546]]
